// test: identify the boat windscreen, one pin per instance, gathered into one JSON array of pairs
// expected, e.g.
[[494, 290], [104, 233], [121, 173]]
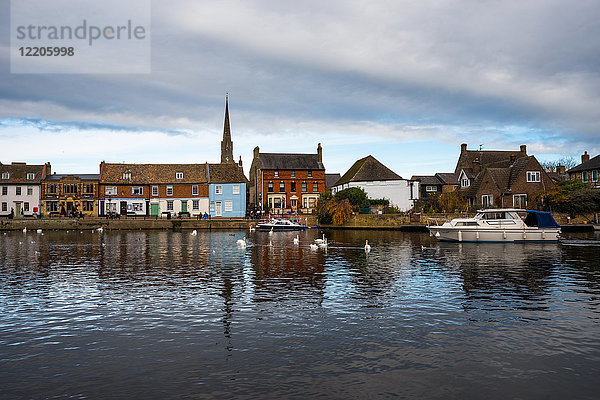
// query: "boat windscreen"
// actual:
[[540, 219]]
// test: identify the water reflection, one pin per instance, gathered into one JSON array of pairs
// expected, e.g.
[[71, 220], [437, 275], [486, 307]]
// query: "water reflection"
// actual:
[[170, 314]]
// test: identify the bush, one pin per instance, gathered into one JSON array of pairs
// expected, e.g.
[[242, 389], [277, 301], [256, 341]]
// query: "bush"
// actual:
[[356, 196]]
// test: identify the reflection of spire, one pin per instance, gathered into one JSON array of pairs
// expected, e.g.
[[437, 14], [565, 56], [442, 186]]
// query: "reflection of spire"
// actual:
[[227, 294]]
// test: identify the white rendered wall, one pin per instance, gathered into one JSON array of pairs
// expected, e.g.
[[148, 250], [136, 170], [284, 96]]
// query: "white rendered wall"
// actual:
[[397, 192]]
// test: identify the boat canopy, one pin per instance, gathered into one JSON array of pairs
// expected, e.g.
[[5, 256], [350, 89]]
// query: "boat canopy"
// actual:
[[541, 219]]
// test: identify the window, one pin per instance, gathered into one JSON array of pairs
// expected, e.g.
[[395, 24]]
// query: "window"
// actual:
[[293, 174], [310, 174], [25, 206], [304, 187], [88, 206], [594, 176], [465, 183], [135, 207], [4, 190], [270, 187], [293, 187], [69, 188], [584, 176], [178, 175], [195, 204], [51, 188], [127, 175], [228, 205], [5, 175], [169, 205], [29, 191], [315, 187], [276, 174], [218, 189], [430, 188], [110, 190], [4, 206], [169, 190], [154, 190], [194, 190], [281, 187], [236, 189], [487, 200], [18, 189], [533, 176], [137, 190], [30, 176], [51, 206], [520, 200], [88, 188]]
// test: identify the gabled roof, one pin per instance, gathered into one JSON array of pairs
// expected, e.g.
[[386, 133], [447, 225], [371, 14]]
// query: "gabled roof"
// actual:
[[331, 179], [18, 172], [368, 169], [226, 173], [503, 177], [468, 172], [486, 158], [145, 174], [447, 178], [591, 164], [86, 177], [289, 161], [426, 179]]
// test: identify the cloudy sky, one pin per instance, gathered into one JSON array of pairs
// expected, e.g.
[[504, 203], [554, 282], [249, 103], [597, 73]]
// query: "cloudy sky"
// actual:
[[404, 81]]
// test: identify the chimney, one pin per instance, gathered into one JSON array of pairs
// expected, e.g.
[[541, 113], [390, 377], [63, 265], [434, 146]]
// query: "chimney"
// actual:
[[240, 162], [524, 149], [585, 157], [476, 166], [463, 147], [560, 169], [320, 153], [256, 152]]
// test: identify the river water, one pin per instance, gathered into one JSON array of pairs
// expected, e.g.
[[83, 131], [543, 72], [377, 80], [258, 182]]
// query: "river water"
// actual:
[[173, 315]]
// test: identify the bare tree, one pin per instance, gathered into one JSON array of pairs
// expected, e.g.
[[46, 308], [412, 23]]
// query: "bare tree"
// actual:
[[567, 162]]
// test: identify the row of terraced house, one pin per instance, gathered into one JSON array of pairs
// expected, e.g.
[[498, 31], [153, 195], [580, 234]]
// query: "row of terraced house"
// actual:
[[283, 183]]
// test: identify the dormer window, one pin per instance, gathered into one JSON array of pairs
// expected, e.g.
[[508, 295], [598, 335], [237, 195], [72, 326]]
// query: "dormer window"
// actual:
[[5, 175], [127, 175], [30, 176], [276, 174], [179, 175], [465, 183]]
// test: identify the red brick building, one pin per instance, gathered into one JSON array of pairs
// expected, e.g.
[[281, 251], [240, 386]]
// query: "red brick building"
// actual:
[[286, 182]]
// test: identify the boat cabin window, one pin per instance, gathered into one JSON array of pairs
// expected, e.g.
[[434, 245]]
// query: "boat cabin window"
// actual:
[[495, 215]]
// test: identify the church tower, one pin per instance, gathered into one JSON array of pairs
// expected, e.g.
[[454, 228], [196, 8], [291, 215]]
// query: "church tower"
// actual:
[[226, 143]]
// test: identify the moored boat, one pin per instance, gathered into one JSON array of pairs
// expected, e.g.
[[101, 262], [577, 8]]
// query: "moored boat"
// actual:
[[499, 225], [280, 225]]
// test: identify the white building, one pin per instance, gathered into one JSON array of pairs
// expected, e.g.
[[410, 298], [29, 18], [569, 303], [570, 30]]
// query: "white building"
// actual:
[[379, 182], [20, 186]]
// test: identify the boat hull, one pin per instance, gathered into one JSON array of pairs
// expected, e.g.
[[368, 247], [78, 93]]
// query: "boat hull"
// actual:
[[466, 234]]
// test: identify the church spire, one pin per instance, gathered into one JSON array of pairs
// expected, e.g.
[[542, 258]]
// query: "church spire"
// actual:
[[226, 143]]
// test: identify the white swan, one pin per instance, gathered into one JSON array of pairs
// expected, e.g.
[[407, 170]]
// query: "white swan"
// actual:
[[100, 229], [296, 240], [323, 244], [25, 230], [271, 231], [367, 246], [242, 242], [194, 232], [313, 246], [320, 240], [39, 231]]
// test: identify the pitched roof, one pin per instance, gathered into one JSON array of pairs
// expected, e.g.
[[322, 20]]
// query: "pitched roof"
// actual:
[[426, 179], [448, 178], [503, 177], [287, 161], [152, 173], [485, 158], [87, 177], [18, 172], [592, 163], [368, 169], [331, 179], [226, 173]]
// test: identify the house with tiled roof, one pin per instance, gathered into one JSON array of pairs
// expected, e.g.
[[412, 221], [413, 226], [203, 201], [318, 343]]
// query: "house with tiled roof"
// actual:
[[153, 189], [379, 182], [286, 182], [509, 183], [432, 185], [227, 190], [587, 171], [70, 195], [20, 187]]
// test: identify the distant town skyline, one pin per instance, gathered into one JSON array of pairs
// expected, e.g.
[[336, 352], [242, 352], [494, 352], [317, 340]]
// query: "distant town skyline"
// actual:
[[405, 82]]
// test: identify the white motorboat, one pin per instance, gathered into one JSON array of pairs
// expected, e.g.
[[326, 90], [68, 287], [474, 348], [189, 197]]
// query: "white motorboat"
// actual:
[[499, 225], [280, 225]]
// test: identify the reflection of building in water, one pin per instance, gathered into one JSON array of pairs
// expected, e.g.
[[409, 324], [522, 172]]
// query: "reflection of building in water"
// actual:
[[284, 270]]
